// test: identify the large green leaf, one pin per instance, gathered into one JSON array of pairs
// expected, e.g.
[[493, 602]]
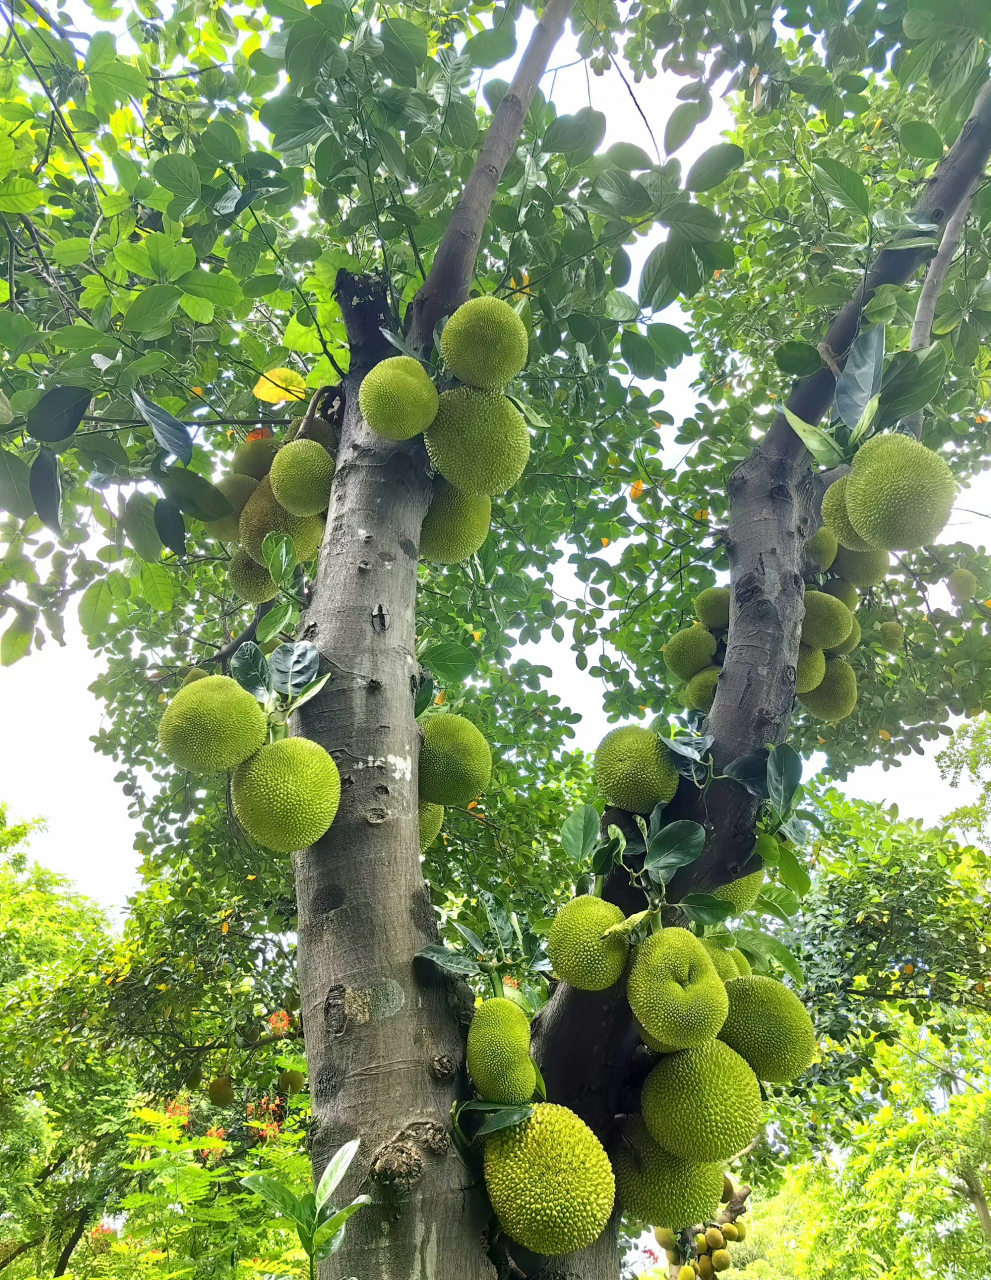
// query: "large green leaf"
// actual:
[[843, 185], [714, 166], [178, 174]]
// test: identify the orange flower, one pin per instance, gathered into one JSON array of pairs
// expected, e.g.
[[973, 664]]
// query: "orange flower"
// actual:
[[883, 733], [605, 541], [280, 1023], [908, 970], [441, 698], [636, 490]]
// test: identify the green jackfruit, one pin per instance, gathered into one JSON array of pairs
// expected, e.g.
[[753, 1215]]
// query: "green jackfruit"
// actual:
[[652, 1043], [455, 761], [721, 1260], [836, 697], [301, 476], [827, 621], [686, 1273], [712, 608], [479, 441], [700, 692], [262, 515], [237, 489], [962, 585], [254, 458], [688, 651], [723, 960], [743, 893], [549, 1181], [633, 769], [212, 726], [579, 953], [769, 1027], [250, 580], [291, 1082], [742, 963], [836, 519], [499, 1052], [484, 343], [431, 819], [702, 1103], [197, 673], [849, 644], [844, 591], [398, 399], [657, 1187], [674, 990], [864, 569], [287, 794], [456, 524], [900, 494], [821, 548], [891, 636], [221, 1091], [714, 1238], [810, 670]]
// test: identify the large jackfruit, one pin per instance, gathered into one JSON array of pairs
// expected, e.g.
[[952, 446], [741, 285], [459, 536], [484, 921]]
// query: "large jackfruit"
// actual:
[[962, 585], [456, 524], [702, 1103], [431, 819], [836, 519], [844, 591], [688, 651], [722, 959], [700, 692], [484, 344], [455, 761], [262, 515], [398, 400], [900, 494], [827, 621], [478, 441], [836, 696], [769, 1027], [821, 548], [579, 953], [674, 990], [212, 725], [250, 580], [254, 458], [743, 893], [301, 475], [849, 644], [712, 608], [659, 1188], [237, 489], [287, 794], [499, 1052], [865, 569], [810, 670], [633, 769]]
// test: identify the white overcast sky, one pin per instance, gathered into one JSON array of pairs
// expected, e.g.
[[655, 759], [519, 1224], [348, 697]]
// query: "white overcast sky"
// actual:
[[48, 767]]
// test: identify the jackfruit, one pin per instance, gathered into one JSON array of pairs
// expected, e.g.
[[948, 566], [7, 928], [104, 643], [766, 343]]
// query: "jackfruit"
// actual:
[[237, 489], [262, 515], [729, 1191], [891, 636], [821, 548], [712, 608], [455, 761], [197, 673], [478, 441], [221, 1091], [700, 692], [836, 519], [301, 476], [633, 769], [655, 1186], [398, 400], [674, 990], [212, 726], [730, 1231], [962, 585], [743, 893], [665, 1237], [705, 1267], [652, 1043], [742, 963], [254, 458], [810, 670], [456, 524], [499, 1052], [849, 644], [741, 1230], [836, 697], [865, 569], [827, 621], [900, 494], [721, 1260], [702, 1104], [688, 651], [722, 959], [431, 819], [769, 1028], [714, 1237], [484, 344], [291, 1082], [250, 580], [579, 953], [844, 591], [686, 1273], [287, 794], [701, 1244], [549, 1181]]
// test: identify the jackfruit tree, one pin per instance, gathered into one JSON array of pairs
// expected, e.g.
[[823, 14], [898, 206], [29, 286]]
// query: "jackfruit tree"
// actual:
[[327, 389]]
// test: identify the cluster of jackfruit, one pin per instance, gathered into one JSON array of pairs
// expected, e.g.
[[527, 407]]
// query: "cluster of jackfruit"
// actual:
[[285, 793], [706, 1251], [694, 655]]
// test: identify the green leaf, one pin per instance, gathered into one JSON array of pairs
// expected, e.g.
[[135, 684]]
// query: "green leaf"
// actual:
[[58, 413], [178, 174], [281, 1199], [15, 485], [273, 622], [841, 184], [671, 343], [220, 288], [822, 447], [194, 495], [46, 489], [714, 166], [139, 526], [153, 308], [448, 960], [680, 126], [504, 1118], [763, 946], [792, 873], [279, 552], [328, 1237], [695, 222], [676, 845], [16, 641], [622, 194], [170, 433], [860, 380], [920, 139], [335, 1169], [797, 359], [580, 833], [156, 587], [706, 909], [911, 381], [95, 607], [784, 773], [251, 669], [19, 195], [583, 131], [170, 526], [654, 276], [491, 47], [451, 663], [628, 156]]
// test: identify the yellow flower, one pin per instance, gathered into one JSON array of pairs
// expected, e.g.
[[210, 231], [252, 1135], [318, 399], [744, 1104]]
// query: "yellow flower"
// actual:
[[605, 541], [883, 733], [278, 385]]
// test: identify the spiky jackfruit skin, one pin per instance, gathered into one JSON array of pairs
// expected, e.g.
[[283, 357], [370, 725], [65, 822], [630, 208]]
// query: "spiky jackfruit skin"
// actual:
[[821, 548], [456, 524], [810, 670], [849, 644], [291, 1082], [633, 769], [686, 1273], [666, 1238], [499, 1052], [700, 692], [212, 726], [864, 569], [712, 608], [962, 585], [900, 494], [743, 893], [431, 819], [221, 1091], [254, 458], [769, 1027], [287, 794], [723, 961], [705, 1267], [714, 1238], [484, 344], [397, 398], [674, 990], [300, 477], [843, 590], [652, 1043], [688, 651], [263, 514], [549, 1181], [742, 963], [579, 953], [237, 489], [891, 636], [250, 580], [836, 697], [478, 441], [730, 1232], [827, 621], [836, 519], [702, 1103], [721, 1260], [197, 673], [455, 761], [655, 1186]]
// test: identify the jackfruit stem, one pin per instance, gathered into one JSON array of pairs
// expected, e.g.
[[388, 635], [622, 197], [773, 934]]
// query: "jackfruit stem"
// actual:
[[495, 982]]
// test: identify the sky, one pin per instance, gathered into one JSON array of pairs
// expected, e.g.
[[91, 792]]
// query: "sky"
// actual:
[[47, 764]]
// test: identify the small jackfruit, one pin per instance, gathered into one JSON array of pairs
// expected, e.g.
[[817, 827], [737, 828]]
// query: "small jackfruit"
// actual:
[[810, 670], [262, 515], [836, 519], [455, 761], [722, 959], [484, 344], [705, 1267], [499, 1052], [743, 893], [688, 651], [730, 1231], [865, 569], [211, 726], [250, 580], [849, 644], [665, 1237], [702, 1104], [655, 1186], [729, 1191], [712, 608], [844, 591], [254, 458], [836, 696], [962, 585], [769, 1028], [686, 1273], [891, 636], [291, 1082], [579, 953], [700, 692], [827, 621], [821, 548], [741, 1230], [287, 794], [398, 399], [431, 819], [721, 1260], [549, 1181], [301, 476], [456, 524], [900, 494], [197, 673], [221, 1091], [633, 769], [237, 489], [714, 1238], [674, 990], [478, 441], [701, 1244]]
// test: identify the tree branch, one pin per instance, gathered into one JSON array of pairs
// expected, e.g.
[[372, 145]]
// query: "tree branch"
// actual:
[[225, 654], [77, 1234]]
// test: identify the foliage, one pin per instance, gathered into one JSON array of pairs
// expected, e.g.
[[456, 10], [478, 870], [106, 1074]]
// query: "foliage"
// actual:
[[968, 754]]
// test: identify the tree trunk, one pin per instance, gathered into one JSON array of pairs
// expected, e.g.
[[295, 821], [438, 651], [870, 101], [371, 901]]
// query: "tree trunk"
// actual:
[[77, 1234], [975, 1193]]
